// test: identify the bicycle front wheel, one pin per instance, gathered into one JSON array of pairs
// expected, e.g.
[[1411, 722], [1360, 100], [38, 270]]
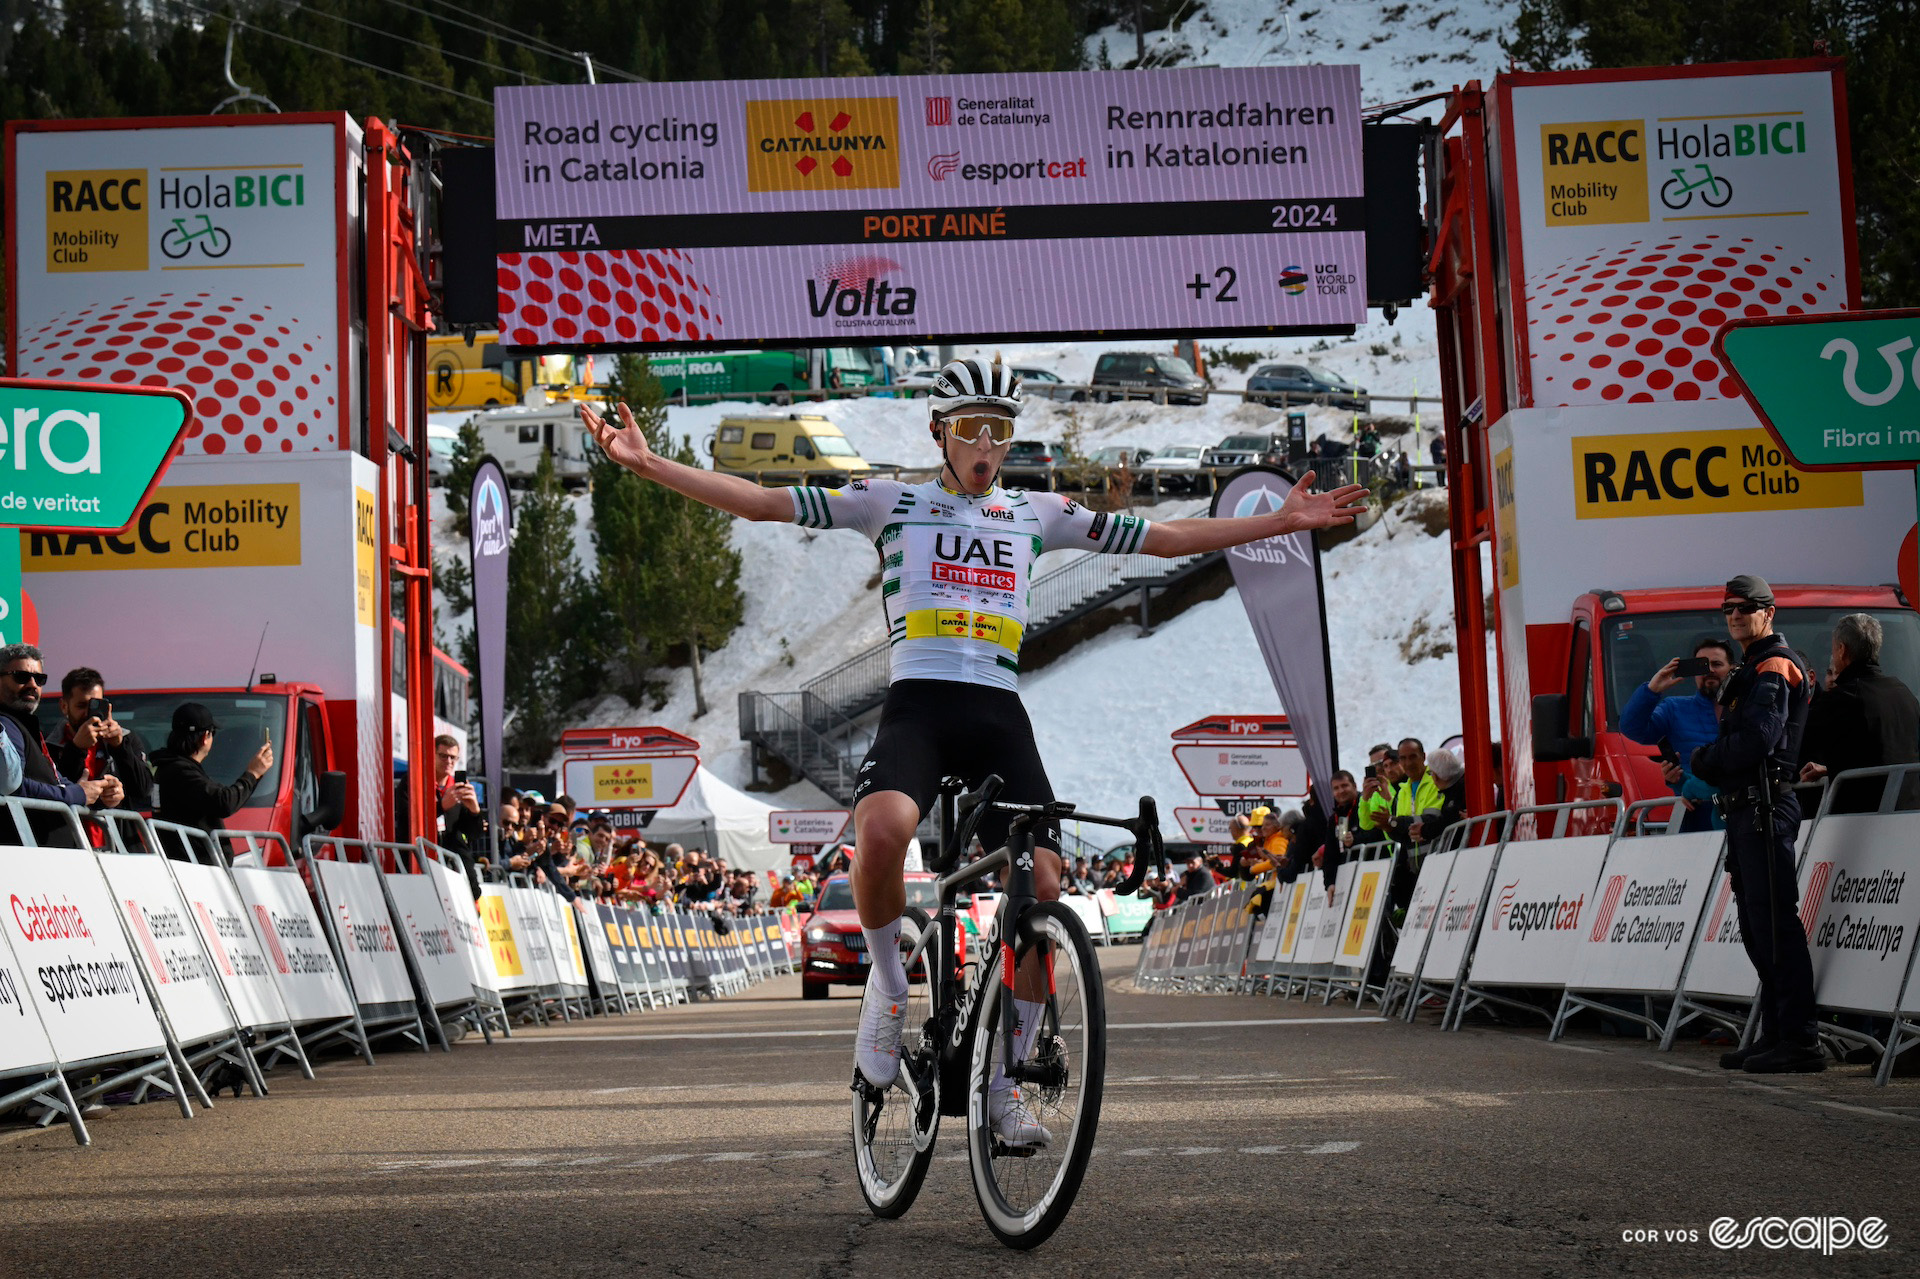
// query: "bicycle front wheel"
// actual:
[[894, 1128], [1025, 1190]]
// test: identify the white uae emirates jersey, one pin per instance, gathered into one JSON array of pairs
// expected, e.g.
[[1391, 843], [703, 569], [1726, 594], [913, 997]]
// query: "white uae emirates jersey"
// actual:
[[957, 570]]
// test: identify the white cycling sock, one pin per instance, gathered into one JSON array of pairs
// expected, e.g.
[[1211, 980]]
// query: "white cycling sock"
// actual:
[[1026, 1024], [889, 976]]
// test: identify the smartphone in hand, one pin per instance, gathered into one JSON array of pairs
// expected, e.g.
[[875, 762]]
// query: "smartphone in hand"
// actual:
[[1688, 667]]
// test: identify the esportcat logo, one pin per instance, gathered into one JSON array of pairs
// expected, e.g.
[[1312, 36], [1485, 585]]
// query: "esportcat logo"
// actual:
[[1521, 918]]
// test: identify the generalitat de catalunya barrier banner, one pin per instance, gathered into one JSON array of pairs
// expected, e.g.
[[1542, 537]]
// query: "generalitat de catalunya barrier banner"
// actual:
[[875, 208]]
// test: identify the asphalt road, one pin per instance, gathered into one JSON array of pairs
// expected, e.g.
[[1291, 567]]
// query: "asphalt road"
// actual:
[[1240, 1136]]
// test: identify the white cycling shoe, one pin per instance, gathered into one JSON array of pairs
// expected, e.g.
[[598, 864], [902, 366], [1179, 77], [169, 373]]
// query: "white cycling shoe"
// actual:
[[1012, 1122], [876, 1049]]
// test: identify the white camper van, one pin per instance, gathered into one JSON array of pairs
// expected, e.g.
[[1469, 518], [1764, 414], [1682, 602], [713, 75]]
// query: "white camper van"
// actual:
[[517, 437]]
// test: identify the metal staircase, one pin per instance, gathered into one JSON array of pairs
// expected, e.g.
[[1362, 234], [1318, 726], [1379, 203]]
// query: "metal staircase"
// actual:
[[811, 729]]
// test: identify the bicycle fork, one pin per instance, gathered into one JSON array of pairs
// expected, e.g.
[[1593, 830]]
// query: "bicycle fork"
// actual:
[[1022, 896]]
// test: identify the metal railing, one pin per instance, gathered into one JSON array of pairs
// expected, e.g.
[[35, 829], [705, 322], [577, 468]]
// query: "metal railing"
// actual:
[[806, 732], [1090, 580], [1074, 392]]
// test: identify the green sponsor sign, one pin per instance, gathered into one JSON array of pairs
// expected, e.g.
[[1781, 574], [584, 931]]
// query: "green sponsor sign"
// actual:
[[1838, 392], [1130, 914], [83, 457]]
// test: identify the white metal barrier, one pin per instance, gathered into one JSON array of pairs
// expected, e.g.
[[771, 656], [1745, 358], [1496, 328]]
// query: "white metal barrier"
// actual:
[[1636, 924]]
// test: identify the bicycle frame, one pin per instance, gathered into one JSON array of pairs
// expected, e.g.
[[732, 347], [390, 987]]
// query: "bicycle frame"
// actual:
[[959, 816]]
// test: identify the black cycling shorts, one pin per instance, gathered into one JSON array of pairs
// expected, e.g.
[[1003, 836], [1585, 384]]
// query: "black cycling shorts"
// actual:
[[935, 728]]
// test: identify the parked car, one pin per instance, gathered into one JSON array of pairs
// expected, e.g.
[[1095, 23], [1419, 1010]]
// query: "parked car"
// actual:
[[1043, 384], [1111, 455], [1125, 375], [833, 950], [802, 446], [1269, 447], [1304, 384], [440, 442], [1034, 464], [1178, 468]]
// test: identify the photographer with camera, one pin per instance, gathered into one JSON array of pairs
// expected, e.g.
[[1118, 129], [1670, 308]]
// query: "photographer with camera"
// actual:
[[93, 746], [188, 797], [21, 678], [1683, 723]]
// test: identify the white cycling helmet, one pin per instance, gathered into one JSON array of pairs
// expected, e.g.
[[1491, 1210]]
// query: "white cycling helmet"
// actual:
[[975, 383]]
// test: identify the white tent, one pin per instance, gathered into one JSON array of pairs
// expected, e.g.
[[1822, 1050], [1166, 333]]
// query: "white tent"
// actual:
[[726, 822]]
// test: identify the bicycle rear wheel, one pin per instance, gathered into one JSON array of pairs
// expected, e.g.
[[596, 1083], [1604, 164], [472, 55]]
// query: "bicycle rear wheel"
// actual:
[[894, 1128], [1026, 1192]]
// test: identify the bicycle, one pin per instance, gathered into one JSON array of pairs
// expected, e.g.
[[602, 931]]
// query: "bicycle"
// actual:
[[1709, 187], [961, 1025], [213, 241]]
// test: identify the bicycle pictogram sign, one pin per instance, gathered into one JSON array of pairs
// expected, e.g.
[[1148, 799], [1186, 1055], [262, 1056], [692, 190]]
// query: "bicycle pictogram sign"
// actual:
[[213, 241]]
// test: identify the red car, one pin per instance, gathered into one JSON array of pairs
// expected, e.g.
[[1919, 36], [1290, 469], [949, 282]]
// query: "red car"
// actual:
[[833, 950]]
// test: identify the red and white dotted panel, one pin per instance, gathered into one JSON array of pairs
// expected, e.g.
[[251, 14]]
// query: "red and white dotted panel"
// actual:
[[261, 382], [599, 296], [1637, 324]]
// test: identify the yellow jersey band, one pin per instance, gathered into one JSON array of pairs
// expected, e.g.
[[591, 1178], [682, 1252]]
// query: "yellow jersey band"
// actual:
[[961, 623]]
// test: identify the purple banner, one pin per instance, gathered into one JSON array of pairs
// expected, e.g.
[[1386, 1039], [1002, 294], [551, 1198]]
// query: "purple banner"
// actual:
[[489, 525], [1279, 583], [708, 212]]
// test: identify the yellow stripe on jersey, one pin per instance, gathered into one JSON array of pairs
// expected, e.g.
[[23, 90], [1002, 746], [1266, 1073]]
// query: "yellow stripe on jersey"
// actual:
[[961, 623]]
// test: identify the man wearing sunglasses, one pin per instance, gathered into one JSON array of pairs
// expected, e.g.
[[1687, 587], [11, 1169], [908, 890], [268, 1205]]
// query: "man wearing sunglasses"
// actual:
[[22, 677], [1763, 711], [956, 555]]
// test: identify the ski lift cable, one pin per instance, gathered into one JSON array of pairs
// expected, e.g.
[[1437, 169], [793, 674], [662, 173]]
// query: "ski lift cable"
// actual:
[[334, 53], [499, 70]]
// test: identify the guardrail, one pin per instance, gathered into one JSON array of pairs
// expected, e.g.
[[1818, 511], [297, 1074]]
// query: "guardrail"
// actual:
[[1076, 392]]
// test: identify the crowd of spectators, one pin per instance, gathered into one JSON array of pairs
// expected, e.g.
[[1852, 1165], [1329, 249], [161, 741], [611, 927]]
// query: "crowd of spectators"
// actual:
[[92, 761]]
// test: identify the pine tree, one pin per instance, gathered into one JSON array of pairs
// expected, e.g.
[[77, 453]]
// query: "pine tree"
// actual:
[[926, 51], [669, 575], [468, 450]]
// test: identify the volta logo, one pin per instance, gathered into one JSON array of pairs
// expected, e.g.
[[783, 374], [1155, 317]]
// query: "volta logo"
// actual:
[[1608, 902], [940, 167], [823, 144], [1293, 280], [860, 287], [939, 111]]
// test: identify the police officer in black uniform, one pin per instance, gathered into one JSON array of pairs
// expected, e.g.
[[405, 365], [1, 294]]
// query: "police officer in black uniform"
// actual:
[[1763, 710]]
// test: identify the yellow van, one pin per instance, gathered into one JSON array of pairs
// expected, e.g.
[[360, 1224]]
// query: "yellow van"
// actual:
[[780, 450]]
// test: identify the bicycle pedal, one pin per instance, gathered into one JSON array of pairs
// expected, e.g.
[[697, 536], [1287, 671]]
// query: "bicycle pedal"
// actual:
[[1001, 1150]]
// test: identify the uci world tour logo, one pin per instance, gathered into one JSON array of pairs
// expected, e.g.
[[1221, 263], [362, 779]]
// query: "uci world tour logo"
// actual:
[[1293, 280]]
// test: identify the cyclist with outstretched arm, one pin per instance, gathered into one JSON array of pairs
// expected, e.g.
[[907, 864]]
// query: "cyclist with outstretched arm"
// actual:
[[957, 556]]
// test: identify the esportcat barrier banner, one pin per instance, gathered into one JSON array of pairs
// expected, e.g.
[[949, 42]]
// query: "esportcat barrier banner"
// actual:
[[230, 939], [874, 209], [1862, 908], [1531, 928], [304, 970], [374, 966], [168, 943], [1638, 929]]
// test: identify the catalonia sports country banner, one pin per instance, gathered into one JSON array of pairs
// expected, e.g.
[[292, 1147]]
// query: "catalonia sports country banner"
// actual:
[[490, 524], [1279, 581]]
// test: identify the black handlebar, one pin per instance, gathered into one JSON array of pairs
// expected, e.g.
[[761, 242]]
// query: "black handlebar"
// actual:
[[1146, 842], [970, 807]]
